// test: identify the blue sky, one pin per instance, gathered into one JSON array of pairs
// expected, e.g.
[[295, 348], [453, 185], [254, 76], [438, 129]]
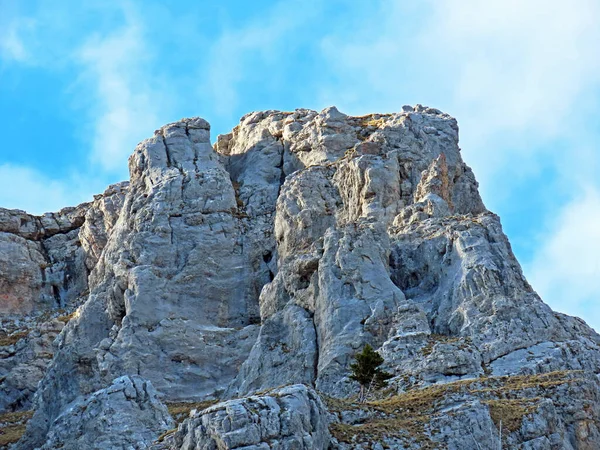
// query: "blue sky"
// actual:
[[82, 82]]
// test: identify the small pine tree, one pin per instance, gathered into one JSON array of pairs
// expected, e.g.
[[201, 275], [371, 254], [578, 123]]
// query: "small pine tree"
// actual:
[[367, 373]]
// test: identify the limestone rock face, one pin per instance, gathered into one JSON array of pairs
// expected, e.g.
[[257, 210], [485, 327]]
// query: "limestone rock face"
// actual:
[[124, 415], [273, 257], [290, 418], [288, 341], [45, 260], [24, 357], [100, 219], [40, 261], [174, 295], [44, 266]]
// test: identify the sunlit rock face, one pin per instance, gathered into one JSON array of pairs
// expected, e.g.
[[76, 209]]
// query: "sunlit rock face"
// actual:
[[293, 417], [126, 414], [271, 258], [45, 262]]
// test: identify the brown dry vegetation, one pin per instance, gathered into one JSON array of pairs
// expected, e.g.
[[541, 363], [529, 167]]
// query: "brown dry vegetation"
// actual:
[[180, 411], [9, 339], [437, 339], [12, 426], [370, 121], [406, 416], [510, 412], [66, 318]]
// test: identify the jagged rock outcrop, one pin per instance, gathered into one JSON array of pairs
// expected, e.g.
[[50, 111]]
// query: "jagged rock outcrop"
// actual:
[[290, 418], [44, 265], [127, 414], [275, 256], [40, 261], [45, 260], [24, 358]]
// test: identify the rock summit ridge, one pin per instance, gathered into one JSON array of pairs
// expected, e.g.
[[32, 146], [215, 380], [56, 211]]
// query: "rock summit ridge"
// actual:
[[223, 273]]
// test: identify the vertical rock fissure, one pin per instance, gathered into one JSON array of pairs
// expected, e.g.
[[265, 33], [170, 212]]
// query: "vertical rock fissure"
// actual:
[[317, 352], [280, 165], [164, 141]]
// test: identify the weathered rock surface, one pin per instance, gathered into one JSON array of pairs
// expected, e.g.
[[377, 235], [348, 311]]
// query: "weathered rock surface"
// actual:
[[39, 260], [290, 418], [44, 267], [275, 256], [557, 410], [25, 354], [127, 414], [45, 260]]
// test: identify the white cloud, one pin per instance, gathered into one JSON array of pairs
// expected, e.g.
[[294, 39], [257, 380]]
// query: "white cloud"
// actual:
[[256, 52], [14, 31], [499, 66], [11, 45], [27, 189], [115, 84], [566, 270], [521, 65], [127, 102]]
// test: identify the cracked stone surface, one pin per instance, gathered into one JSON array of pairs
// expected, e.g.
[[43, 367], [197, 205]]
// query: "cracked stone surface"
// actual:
[[553, 411], [126, 414], [44, 266], [24, 358], [275, 255], [290, 418], [45, 260]]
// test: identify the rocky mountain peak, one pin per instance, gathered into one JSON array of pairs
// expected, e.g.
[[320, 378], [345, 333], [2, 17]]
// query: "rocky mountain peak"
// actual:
[[220, 274]]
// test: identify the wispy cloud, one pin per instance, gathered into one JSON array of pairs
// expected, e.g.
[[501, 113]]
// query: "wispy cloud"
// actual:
[[255, 54], [125, 100], [499, 65], [110, 78], [14, 29], [521, 65], [27, 189], [566, 270], [11, 46]]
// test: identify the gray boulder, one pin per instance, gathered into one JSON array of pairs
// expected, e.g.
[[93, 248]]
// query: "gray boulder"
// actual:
[[290, 418], [125, 415]]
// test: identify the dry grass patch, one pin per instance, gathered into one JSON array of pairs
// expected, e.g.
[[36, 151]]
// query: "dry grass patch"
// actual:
[[65, 319], [370, 121], [339, 404], [11, 434], [402, 416], [368, 124], [12, 426], [181, 410], [406, 429], [406, 416], [438, 339], [510, 384], [10, 339], [511, 412], [166, 434]]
